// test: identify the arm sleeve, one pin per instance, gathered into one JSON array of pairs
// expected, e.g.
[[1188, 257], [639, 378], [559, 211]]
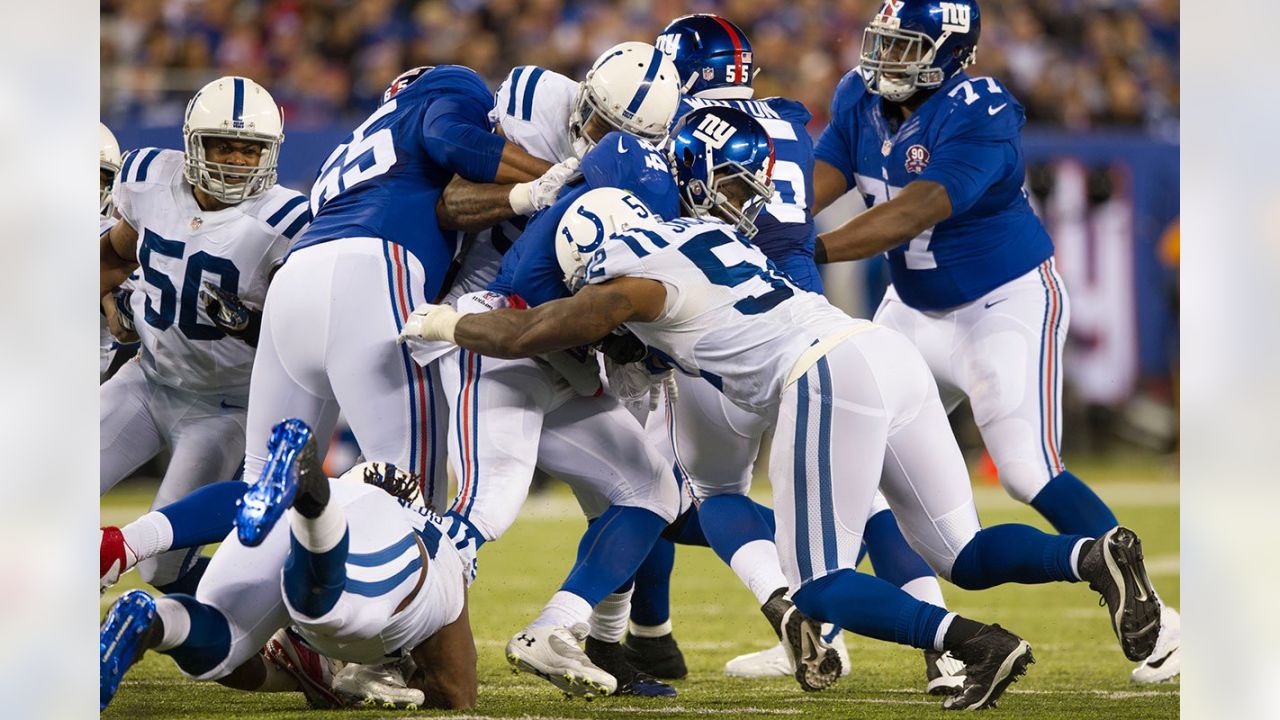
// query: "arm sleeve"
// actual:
[[538, 277], [455, 131], [966, 168]]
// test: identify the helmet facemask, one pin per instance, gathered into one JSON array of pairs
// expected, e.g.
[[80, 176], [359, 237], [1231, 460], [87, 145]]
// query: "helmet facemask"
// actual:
[[105, 204], [216, 178], [897, 62], [730, 192]]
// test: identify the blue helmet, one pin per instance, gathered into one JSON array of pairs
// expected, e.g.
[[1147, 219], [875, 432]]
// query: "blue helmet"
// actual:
[[723, 161], [914, 44], [709, 52]]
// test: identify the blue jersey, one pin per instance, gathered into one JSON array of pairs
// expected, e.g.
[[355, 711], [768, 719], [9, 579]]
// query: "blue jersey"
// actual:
[[964, 137], [530, 268], [787, 232], [384, 180]]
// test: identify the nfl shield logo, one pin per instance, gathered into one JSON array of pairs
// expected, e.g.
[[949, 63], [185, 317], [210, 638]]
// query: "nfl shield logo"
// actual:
[[917, 159], [196, 222], [708, 73]]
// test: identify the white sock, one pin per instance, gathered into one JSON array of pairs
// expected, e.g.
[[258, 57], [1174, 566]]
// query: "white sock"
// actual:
[[942, 631], [926, 589], [651, 631], [177, 623], [564, 609], [321, 534], [1075, 557], [609, 621], [756, 565], [149, 535]]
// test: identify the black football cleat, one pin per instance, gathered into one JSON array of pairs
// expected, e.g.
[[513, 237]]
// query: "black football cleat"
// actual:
[[817, 664], [659, 657], [944, 675], [1114, 569], [993, 659], [611, 658]]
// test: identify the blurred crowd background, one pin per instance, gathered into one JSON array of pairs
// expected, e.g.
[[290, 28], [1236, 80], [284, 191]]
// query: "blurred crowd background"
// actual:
[[1075, 64]]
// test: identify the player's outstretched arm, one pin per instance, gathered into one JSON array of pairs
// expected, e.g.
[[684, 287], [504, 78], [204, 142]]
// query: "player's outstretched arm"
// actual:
[[117, 256], [447, 666], [558, 325], [471, 207], [921, 205]]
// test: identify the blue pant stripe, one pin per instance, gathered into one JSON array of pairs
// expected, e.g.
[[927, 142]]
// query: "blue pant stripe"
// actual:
[[429, 491], [382, 587], [1044, 340], [800, 480], [475, 434], [826, 499], [385, 555], [404, 353]]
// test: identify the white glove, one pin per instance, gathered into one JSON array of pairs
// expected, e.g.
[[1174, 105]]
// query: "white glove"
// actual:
[[583, 375], [430, 322], [528, 198], [633, 384]]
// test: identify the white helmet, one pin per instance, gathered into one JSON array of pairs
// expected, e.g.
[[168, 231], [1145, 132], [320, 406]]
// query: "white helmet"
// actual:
[[239, 108], [636, 89], [108, 161], [588, 221]]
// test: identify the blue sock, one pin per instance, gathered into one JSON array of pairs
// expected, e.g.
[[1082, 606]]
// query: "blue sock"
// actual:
[[1014, 553], [766, 514], [611, 550], [188, 581], [869, 606], [891, 556], [651, 602], [313, 582], [204, 516], [731, 521], [1073, 508], [208, 642]]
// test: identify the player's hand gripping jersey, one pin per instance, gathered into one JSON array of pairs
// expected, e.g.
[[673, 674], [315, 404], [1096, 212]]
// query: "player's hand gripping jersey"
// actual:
[[729, 316], [180, 247], [786, 230], [966, 138]]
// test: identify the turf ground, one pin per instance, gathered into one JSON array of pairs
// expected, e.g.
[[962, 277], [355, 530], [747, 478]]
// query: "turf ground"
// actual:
[[1079, 673]]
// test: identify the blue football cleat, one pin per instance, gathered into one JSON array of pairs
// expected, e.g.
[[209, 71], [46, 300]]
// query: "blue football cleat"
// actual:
[[267, 499], [127, 621]]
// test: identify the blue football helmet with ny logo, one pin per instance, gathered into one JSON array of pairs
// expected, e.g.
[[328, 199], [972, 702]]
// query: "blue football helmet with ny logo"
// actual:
[[912, 45], [710, 53], [723, 161]]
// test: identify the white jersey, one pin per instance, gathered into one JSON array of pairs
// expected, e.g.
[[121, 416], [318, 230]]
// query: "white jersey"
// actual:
[[179, 248], [729, 316]]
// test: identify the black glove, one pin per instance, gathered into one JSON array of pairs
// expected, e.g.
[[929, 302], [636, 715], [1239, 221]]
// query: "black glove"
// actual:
[[230, 315], [623, 348]]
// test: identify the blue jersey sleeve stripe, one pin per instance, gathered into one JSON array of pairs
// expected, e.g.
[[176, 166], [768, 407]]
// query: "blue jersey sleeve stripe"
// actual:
[[511, 90], [642, 92], [146, 163], [128, 165], [303, 218], [284, 211], [526, 112], [237, 102]]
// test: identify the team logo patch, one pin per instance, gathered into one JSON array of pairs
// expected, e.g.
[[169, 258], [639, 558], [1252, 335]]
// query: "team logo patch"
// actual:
[[917, 159], [196, 222]]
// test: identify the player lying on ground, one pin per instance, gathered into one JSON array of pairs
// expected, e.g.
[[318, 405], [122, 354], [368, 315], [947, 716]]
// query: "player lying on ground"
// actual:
[[937, 155], [710, 303], [365, 577]]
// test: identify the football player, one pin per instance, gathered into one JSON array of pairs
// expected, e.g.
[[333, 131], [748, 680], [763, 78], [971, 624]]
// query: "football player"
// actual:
[[206, 227], [711, 304], [365, 576], [112, 351], [716, 442], [937, 157]]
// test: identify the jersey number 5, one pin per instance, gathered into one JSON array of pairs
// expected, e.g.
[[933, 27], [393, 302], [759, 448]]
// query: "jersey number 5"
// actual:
[[183, 308], [357, 160]]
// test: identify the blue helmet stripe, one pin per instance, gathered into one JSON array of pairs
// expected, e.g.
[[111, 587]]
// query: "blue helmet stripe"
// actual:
[[511, 90], [237, 102], [643, 91], [526, 111]]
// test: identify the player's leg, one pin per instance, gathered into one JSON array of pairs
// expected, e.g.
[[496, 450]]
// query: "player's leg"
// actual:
[[128, 435]]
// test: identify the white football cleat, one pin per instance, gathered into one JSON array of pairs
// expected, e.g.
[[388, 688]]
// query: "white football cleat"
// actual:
[[381, 686], [115, 557], [553, 653], [1165, 662], [775, 663], [313, 671]]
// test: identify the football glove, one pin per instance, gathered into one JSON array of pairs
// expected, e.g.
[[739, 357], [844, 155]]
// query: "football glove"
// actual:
[[124, 316], [429, 322], [641, 383], [623, 347], [581, 370], [530, 197], [230, 315]]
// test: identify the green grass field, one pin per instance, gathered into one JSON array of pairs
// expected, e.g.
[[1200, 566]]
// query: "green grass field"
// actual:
[[1079, 673]]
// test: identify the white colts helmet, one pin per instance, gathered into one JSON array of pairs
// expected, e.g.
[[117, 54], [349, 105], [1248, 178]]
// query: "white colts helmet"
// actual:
[[108, 161], [588, 221], [635, 88], [238, 108]]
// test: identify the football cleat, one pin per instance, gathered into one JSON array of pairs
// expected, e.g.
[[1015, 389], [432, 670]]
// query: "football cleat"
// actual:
[[120, 641], [115, 557], [552, 653], [659, 657], [313, 671], [267, 499], [994, 659], [1165, 662], [380, 686], [775, 663], [1113, 568], [611, 658], [944, 674], [816, 663]]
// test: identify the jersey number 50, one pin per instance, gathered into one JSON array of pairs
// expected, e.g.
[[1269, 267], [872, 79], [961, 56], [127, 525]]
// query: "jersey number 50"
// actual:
[[186, 307]]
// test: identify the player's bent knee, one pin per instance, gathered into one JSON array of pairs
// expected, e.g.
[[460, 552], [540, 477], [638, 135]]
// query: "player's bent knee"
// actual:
[[1023, 479]]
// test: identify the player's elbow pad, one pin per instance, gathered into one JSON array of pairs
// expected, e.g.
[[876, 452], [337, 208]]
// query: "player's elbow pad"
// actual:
[[466, 150]]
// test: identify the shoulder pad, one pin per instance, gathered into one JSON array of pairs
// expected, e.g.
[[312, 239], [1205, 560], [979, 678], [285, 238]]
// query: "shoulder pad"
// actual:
[[982, 108], [792, 111], [284, 210], [150, 165], [849, 91]]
